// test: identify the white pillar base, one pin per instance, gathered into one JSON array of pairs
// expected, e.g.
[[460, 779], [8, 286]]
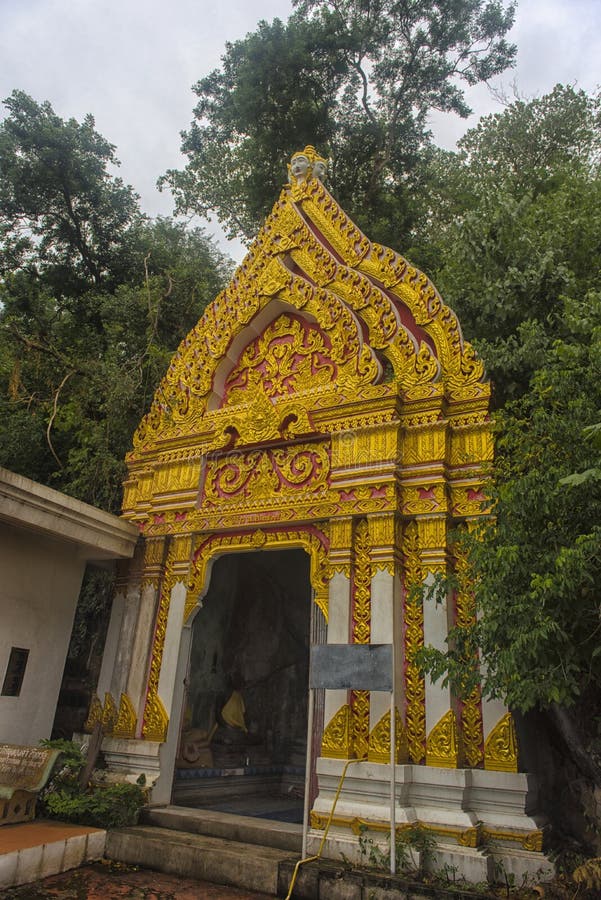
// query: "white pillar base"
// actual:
[[129, 759], [480, 821]]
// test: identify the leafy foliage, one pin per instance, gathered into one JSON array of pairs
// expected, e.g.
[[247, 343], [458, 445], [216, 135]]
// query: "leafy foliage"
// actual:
[[98, 805], [94, 299], [414, 847], [356, 78], [71, 758], [538, 568], [60, 212], [103, 806], [512, 226]]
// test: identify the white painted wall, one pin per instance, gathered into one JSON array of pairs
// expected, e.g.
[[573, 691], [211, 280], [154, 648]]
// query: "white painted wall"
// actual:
[[40, 579]]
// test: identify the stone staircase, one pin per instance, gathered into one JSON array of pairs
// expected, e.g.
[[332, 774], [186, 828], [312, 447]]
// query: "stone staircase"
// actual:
[[256, 855], [240, 851]]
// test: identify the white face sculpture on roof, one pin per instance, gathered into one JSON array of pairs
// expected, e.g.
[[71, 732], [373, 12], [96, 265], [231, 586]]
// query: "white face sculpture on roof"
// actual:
[[320, 169], [299, 166]]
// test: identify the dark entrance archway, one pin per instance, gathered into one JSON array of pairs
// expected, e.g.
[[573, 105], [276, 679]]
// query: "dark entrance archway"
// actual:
[[244, 730]]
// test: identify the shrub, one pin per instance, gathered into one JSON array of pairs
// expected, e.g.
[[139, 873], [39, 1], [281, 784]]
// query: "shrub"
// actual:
[[98, 805]]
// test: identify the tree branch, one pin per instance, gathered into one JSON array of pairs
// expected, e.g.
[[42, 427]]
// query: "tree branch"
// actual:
[[53, 416], [79, 238]]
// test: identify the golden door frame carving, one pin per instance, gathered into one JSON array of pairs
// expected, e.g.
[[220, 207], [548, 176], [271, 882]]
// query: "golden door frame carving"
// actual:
[[313, 540]]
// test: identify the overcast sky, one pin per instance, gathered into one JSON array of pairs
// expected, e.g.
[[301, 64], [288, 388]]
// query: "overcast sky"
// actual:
[[132, 63]]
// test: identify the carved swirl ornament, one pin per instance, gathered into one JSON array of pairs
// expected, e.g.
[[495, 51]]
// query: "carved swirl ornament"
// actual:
[[236, 478], [290, 357]]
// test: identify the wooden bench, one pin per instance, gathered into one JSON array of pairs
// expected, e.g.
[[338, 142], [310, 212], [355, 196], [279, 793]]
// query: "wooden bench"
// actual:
[[24, 771]]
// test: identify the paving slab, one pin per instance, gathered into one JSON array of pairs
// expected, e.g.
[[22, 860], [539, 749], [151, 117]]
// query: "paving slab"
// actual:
[[33, 834]]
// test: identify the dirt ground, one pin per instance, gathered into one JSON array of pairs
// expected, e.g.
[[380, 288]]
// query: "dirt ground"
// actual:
[[111, 881]]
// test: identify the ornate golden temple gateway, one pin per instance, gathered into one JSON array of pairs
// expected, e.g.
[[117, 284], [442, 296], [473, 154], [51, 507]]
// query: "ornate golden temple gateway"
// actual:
[[327, 401]]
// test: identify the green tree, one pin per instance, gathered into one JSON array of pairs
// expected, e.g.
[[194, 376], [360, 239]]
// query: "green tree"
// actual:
[[61, 213], [516, 230], [94, 299], [357, 78], [511, 226], [537, 567]]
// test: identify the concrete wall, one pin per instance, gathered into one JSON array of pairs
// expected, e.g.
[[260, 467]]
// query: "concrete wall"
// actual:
[[46, 539], [40, 584]]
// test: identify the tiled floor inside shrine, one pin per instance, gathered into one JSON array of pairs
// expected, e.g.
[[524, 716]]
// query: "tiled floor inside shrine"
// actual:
[[264, 792]]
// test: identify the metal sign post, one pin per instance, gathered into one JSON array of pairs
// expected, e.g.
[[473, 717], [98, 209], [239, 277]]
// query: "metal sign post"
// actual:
[[360, 667]]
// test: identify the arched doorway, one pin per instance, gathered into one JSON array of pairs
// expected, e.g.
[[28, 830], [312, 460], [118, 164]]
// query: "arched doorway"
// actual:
[[244, 730]]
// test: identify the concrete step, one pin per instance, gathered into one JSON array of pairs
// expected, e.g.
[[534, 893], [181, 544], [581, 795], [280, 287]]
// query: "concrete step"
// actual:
[[262, 869], [198, 856], [245, 829]]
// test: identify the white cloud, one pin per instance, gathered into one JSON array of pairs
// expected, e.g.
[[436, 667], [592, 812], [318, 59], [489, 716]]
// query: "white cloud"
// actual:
[[131, 63]]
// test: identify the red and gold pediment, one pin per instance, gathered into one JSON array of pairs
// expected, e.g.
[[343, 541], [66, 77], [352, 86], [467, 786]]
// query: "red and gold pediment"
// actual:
[[315, 308], [319, 332]]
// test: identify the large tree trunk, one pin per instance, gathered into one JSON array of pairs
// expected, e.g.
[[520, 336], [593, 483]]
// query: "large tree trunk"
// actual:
[[565, 724]]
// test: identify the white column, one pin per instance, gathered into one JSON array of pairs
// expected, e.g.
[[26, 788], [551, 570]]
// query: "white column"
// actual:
[[164, 786], [142, 648], [384, 630], [339, 604], [125, 646], [106, 679], [436, 628]]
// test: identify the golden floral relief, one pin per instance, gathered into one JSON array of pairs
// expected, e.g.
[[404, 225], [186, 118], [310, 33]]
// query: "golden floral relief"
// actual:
[[415, 688], [379, 740], [125, 726], [257, 476], [337, 282], [289, 357], [337, 736], [501, 748], [443, 747]]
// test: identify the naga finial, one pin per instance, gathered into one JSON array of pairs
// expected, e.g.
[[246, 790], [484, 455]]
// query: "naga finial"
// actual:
[[305, 164]]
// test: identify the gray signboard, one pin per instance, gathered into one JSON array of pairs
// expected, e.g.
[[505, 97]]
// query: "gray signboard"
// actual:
[[360, 667]]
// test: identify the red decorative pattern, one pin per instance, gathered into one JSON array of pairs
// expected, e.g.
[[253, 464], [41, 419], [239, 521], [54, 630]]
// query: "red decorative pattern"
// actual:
[[289, 356]]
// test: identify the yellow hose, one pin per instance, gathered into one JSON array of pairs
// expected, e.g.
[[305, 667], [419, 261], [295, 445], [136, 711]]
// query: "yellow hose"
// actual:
[[307, 859]]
